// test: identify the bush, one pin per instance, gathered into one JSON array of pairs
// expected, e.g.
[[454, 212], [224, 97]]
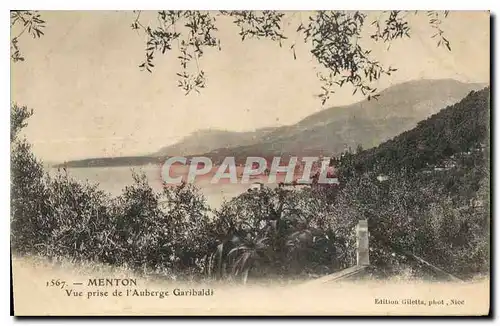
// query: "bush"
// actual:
[[28, 189], [274, 233], [80, 220], [442, 218], [58, 216]]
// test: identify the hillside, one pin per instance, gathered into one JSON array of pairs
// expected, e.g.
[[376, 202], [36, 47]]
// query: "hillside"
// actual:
[[457, 131], [426, 192], [367, 123], [203, 141]]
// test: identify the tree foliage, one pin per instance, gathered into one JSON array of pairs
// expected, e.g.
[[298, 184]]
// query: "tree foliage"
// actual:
[[417, 216], [335, 40], [25, 21], [333, 37], [434, 200], [433, 203], [274, 233]]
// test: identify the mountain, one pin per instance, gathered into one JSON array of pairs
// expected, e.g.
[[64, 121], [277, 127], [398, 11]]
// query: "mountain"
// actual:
[[458, 135], [207, 140], [329, 132], [366, 123], [426, 192]]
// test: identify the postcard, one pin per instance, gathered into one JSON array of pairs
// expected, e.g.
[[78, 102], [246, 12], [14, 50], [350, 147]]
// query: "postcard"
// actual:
[[250, 163]]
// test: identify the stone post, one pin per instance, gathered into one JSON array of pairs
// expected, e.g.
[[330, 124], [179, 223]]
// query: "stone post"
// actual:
[[362, 245]]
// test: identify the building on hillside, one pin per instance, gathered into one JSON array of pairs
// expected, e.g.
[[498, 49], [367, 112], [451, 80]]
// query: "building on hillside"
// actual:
[[382, 177], [256, 186], [293, 186], [474, 202]]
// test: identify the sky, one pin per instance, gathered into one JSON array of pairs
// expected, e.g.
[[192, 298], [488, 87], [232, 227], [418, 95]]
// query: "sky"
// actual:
[[90, 98]]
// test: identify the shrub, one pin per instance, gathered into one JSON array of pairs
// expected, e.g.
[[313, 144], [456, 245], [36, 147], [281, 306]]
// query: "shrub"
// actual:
[[28, 189], [274, 233], [443, 218]]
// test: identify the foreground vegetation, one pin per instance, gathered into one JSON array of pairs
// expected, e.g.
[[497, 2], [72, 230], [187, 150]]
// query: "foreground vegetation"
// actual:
[[419, 210]]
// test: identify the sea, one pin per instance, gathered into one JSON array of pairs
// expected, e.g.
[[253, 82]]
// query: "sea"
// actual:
[[114, 180]]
